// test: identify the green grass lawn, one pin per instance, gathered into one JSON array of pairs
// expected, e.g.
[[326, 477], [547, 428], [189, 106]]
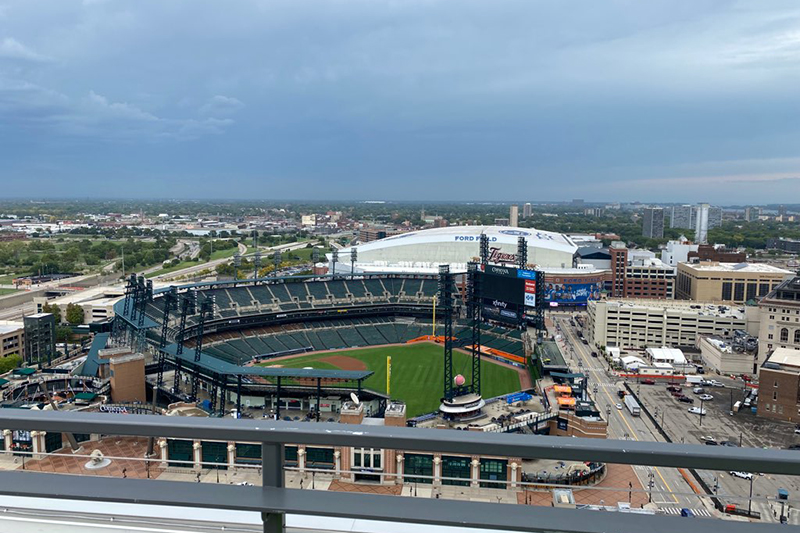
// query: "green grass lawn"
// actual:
[[3, 292], [6, 279], [417, 373], [220, 254]]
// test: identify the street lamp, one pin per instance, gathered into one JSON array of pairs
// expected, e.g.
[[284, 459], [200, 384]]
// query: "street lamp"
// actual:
[[701, 412], [650, 485], [750, 500]]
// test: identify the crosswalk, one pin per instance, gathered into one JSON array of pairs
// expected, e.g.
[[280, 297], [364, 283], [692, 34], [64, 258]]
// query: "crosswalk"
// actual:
[[695, 511]]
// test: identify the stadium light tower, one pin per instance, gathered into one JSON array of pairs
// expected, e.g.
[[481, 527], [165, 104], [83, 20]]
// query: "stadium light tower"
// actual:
[[276, 262], [484, 249], [522, 253], [237, 262], [257, 265], [353, 259], [334, 260]]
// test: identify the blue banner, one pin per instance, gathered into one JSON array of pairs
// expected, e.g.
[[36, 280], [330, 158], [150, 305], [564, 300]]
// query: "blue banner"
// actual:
[[572, 293]]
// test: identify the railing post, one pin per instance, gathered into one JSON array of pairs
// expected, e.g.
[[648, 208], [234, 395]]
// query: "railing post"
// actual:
[[272, 476]]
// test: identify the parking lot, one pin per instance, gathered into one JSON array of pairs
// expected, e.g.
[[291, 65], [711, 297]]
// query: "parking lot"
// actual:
[[743, 428]]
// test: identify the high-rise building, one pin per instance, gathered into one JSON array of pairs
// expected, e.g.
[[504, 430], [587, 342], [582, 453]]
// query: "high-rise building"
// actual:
[[40, 337], [653, 223], [701, 224], [513, 216], [682, 217], [639, 274], [751, 214], [526, 210], [714, 217]]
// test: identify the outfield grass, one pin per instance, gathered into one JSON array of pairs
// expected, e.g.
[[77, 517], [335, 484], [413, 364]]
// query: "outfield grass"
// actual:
[[417, 373]]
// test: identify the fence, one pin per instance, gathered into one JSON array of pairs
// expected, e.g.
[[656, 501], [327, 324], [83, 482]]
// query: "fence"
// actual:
[[274, 501]]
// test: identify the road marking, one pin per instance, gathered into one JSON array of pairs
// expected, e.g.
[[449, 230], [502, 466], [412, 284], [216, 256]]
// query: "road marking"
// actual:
[[633, 434]]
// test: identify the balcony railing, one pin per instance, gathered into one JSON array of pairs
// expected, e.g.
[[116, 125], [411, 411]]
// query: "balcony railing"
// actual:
[[274, 501]]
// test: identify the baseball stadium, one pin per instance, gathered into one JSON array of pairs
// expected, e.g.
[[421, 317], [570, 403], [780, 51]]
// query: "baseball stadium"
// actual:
[[300, 348]]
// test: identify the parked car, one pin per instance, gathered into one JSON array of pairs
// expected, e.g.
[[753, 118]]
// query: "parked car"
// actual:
[[685, 399], [648, 382], [698, 390], [715, 383], [741, 475], [697, 411], [619, 406], [797, 429], [729, 444], [710, 442], [594, 354], [706, 397], [793, 447], [674, 388]]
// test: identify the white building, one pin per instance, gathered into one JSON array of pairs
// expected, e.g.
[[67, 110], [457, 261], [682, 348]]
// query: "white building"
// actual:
[[423, 251], [641, 323], [720, 356], [678, 251]]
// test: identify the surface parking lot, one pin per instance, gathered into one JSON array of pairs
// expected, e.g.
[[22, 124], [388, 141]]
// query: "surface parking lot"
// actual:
[[718, 423]]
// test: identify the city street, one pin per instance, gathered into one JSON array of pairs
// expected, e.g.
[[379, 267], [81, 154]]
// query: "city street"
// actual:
[[683, 426]]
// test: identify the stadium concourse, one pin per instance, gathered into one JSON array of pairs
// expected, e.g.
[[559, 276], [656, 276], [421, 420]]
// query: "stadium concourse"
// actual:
[[252, 322], [423, 251]]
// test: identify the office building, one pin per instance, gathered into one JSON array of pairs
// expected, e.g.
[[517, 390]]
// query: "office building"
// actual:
[[722, 356], [653, 223], [40, 337], [12, 335], [780, 318], [712, 281], [786, 245], [716, 252], [682, 217], [639, 274], [526, 210], [649, 323], [513, 216], [779, 381], [594, 211]]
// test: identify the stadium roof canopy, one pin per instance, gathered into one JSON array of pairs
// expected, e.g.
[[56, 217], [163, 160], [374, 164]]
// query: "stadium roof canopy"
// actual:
[[218, 366], [424, 250]]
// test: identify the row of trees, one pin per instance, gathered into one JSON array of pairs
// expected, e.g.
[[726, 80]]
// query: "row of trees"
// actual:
[[74, 314]]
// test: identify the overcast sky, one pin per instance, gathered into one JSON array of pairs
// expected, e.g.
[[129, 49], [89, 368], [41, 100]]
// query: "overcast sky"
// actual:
[[404, 99]]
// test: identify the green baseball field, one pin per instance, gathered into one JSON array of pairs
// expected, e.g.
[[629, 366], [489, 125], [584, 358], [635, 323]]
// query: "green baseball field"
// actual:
[[417, 372]]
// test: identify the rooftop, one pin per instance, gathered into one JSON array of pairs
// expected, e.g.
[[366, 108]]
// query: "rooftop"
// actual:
[[713, 266], [785, 356], [9, 328], [685, 306]]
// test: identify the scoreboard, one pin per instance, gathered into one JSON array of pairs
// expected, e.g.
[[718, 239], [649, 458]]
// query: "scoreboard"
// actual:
[[509, 294]]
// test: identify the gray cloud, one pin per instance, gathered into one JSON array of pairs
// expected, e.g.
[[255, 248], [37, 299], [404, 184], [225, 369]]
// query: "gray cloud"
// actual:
[[358, 96]]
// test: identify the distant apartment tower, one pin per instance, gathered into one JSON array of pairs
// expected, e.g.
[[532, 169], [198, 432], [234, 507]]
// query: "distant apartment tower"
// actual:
[[513, 216], [714, 217], [594, 211], [653, 223], [40, 337], [751, 214], [701, 224], [682, 217], [526, 210]]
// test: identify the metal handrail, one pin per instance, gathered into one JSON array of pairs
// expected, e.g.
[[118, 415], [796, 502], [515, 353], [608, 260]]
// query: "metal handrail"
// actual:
[[274, 501]]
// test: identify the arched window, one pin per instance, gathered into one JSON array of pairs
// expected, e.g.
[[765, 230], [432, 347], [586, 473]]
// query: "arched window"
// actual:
[[797, 336], [784, 335]]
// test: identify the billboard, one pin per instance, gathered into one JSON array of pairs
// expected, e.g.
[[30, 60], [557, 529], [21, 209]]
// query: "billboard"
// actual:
[[572, 293], [508, 292]]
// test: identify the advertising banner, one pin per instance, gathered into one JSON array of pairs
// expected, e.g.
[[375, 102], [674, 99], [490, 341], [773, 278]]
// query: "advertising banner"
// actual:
[[572, 293]]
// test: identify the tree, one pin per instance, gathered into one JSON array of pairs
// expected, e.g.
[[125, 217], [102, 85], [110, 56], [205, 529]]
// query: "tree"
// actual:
[[55, 309], [63, 334], [10, 362], [74, 314]]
